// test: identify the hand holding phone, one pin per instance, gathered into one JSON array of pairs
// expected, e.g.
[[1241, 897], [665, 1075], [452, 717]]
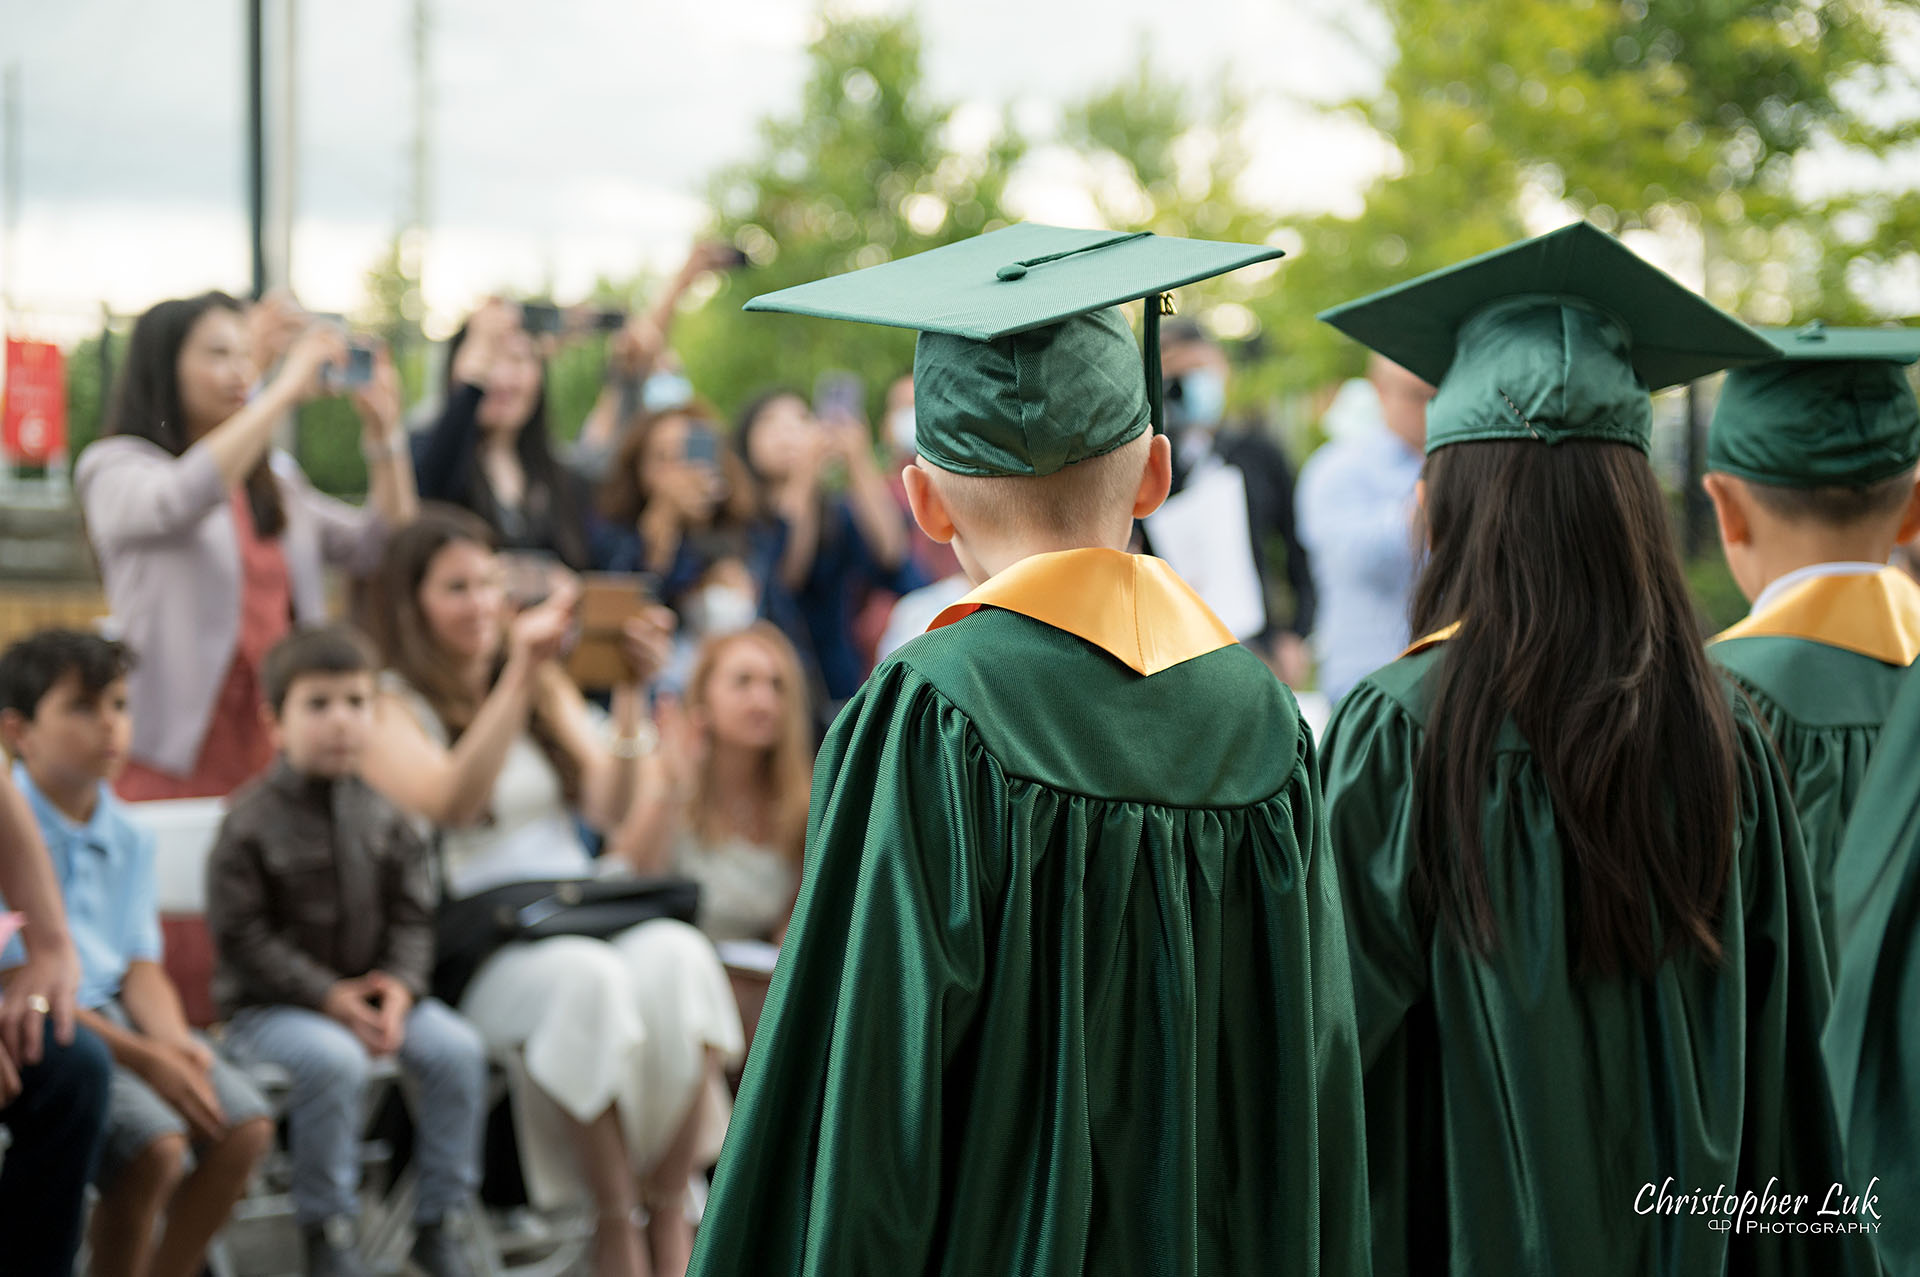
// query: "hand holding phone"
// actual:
[[839, 396]]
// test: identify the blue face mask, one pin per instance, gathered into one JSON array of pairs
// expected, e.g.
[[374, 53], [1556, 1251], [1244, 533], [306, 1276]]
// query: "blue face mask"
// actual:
[[1203, 399], [666, 390]]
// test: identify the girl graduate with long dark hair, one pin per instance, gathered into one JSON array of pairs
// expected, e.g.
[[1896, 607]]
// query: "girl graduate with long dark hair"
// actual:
[[1585, 955]]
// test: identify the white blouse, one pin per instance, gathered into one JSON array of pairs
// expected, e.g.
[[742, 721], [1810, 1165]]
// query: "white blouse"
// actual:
[[528, 832]]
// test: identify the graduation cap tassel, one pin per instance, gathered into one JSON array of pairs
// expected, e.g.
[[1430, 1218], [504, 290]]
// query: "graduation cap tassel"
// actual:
[[1150, 339], [1158, 304]]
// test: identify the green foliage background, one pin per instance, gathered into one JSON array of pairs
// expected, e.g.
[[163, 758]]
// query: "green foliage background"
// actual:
[[1688, 117]]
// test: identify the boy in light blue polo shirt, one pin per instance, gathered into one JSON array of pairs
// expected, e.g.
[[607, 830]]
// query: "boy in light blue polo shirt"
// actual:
[[63, 718]]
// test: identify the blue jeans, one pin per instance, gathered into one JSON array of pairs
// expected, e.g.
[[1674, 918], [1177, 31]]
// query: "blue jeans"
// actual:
[[442, 1055], [55, 1123]]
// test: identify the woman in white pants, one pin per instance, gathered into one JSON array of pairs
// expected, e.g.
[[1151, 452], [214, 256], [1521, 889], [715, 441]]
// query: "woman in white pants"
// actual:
[[614, 1047]]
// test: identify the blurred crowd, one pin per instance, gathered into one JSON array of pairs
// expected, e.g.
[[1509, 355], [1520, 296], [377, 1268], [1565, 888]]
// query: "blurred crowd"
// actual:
[[549, 674]]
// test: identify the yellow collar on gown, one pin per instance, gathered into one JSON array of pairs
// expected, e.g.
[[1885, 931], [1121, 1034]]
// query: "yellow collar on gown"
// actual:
[[1440, 635], [1132, 606], [1876, 615]]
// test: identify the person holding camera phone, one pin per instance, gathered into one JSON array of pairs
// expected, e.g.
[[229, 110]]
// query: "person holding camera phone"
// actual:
[[834, 546], [642, 376], [489, 449], [678, 506], [617, 1044], [212, 544]]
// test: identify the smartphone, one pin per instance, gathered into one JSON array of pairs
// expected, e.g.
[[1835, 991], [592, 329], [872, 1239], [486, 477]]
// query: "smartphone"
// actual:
[[609, 321], [702, 446], [839, 395], [527, 576], [359, 369], [540, 318], [355, 374], [608, 600]]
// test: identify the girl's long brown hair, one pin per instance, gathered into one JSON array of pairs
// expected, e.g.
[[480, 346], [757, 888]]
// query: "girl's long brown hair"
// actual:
[[1576, 626], [399, 629], [787, 770]]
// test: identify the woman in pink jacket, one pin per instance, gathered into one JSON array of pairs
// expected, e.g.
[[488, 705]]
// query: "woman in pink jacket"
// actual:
[[211, 544]]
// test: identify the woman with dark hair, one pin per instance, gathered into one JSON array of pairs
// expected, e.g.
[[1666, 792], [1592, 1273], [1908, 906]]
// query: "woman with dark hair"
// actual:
[[834, 548], [1586, 961], [489, 450], [211, 544], [614, 1047], [677, 499]]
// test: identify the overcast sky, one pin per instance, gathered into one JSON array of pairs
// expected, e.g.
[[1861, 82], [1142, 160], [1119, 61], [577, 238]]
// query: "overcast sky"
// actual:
[[575, 139], [569, 139]]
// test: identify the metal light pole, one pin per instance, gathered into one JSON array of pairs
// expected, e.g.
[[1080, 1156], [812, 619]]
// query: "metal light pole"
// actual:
[[256, 149]]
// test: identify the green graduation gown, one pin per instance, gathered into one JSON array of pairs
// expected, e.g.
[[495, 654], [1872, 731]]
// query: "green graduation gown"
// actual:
[[1516, 1112], [1821, 667], [1066, 986], [1873, 1036]]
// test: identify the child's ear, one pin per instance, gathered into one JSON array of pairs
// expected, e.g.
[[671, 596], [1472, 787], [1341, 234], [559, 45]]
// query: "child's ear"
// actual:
[[13, 730], [1729, 508], [1156, 478], [271, 721], [929, 511], [1910, 518]]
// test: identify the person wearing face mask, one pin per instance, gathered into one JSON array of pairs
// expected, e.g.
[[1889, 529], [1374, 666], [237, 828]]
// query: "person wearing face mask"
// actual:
[[211, 544], [1358, 519], [1205, 445], [490, 451], [678, 506]]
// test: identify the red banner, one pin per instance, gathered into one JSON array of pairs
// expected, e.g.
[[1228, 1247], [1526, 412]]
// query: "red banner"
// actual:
[[33, 425]]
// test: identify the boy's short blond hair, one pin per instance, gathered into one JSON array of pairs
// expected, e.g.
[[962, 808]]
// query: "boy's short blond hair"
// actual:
[[1837, 507], [1076, 502]]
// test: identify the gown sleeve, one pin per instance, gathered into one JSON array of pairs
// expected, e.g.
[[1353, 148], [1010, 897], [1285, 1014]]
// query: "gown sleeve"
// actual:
[[1367, 767], [1873, 1035], [832, 1166], [1791, 1131]]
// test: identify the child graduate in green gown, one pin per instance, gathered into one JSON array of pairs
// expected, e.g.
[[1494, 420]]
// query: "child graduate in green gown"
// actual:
[[1066, 988], [1810, 464], [1873, 1036], [1585, 954]]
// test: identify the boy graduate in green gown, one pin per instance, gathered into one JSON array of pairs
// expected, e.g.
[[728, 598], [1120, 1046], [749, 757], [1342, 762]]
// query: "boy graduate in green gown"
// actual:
[[1066, 988], [1810, 464], [1873, 1036], [1585, 954]]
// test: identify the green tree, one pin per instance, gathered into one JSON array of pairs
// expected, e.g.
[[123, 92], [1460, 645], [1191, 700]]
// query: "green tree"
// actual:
[[862, 172], [1685, 116], [1170, 159], [87, 388]]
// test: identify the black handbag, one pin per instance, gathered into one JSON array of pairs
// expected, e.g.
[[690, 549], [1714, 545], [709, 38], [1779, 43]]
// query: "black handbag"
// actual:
[[467, 931]]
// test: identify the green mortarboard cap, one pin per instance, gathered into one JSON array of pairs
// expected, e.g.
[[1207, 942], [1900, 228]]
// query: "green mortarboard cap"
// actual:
[[1836, 410], [1558, 337], [1022, 366]]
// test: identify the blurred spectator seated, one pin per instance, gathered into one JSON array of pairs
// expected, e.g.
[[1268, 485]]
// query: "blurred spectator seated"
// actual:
[[63, 716]]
